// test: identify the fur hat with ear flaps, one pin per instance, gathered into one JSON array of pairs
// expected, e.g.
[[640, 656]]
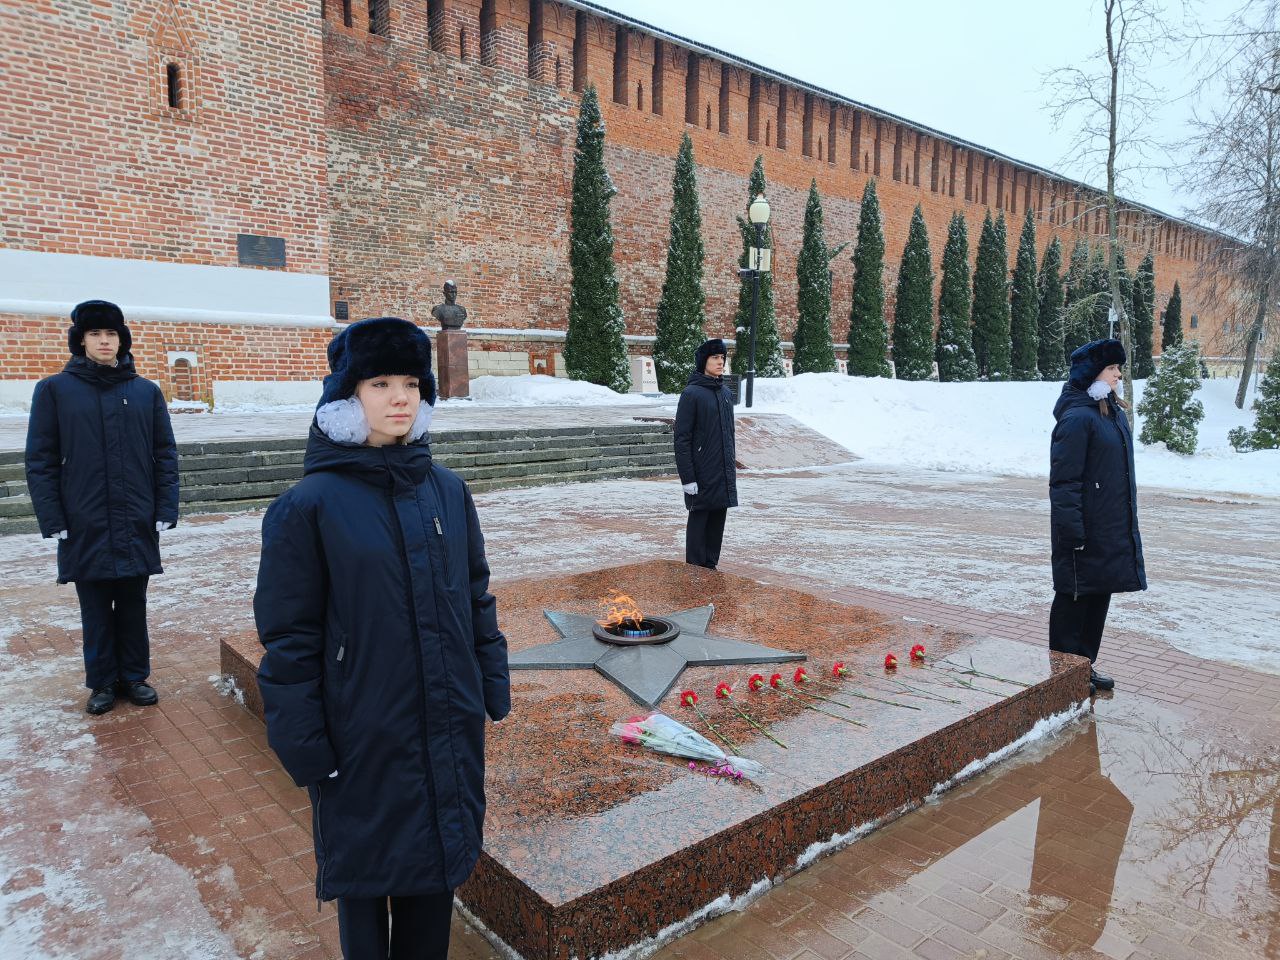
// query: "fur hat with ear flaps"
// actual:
[[378, 347], [1091, 359], [708, 350], [97, 315]]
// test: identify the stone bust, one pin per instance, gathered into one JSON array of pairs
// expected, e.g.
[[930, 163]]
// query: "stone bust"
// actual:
[[450, 314]]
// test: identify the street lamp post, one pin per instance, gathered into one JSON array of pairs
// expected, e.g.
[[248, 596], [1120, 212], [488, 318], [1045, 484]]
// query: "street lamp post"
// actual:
[[758, 213]]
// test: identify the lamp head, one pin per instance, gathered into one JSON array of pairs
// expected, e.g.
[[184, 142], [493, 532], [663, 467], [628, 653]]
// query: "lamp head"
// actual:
[[758, 212]]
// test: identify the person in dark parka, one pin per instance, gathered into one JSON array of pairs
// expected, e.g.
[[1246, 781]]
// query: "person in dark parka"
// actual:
[[1093, 495], [102, 471], [382, 648], [705, 455]]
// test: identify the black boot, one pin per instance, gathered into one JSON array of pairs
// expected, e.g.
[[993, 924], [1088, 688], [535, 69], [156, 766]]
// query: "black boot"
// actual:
[[139, 692], [100, 701], [1099, 681]]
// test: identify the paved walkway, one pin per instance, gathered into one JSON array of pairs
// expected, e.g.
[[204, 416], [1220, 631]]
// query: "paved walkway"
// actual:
[[1148, 830]]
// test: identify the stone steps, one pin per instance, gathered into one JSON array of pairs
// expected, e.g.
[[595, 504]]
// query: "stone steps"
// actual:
[[233, 475]]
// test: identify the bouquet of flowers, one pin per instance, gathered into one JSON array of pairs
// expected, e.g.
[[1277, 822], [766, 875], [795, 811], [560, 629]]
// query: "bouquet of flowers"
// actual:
[[659, 732]]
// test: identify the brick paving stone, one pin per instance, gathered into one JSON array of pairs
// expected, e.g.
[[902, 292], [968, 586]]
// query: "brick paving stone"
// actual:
[[994, 865]]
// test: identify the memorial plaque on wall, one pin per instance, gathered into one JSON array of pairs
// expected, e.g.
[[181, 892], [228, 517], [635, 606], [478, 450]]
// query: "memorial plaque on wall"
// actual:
[[256, 251]]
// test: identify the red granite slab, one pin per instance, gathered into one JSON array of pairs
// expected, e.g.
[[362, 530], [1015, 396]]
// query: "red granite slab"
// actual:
[[592, 845]]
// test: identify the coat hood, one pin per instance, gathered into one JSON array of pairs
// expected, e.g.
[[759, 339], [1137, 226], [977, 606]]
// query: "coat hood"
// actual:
[[1073, 396], [86, 369], [702, 380], [395, 466]]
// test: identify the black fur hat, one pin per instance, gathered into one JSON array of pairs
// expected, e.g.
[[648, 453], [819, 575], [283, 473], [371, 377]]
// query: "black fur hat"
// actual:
[[1091, 359], [378, 347], [708, 350], [97, 315]]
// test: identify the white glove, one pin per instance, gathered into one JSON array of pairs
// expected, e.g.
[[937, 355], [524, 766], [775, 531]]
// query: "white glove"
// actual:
[[60, 535], [691, 488], [163, 525], [332, 775]]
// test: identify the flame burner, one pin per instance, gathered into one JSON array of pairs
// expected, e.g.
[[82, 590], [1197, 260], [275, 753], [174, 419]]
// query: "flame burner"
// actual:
[[628, 633]]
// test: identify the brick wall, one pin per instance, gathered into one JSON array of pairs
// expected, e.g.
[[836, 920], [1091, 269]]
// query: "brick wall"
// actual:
[[449, 161], [97, 162], [36, 347]]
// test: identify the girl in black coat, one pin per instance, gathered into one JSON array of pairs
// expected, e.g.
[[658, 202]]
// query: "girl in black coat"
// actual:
[[383, 653], [1093, 495], [705, 455], [102, 470]]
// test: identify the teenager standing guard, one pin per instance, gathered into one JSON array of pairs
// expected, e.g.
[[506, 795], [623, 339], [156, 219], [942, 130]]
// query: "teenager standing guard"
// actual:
[[1093, 496], [383, 653], [102, 470], [705, 455]]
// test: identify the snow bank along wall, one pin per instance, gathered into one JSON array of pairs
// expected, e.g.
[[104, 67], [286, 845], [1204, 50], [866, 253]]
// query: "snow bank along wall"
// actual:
[[240, 177]]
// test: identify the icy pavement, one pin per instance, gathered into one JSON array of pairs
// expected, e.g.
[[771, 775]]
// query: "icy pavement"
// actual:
[[172, 831]]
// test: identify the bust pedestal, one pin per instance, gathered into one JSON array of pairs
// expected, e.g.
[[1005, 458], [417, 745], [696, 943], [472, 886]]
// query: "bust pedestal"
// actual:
[[453, 378]]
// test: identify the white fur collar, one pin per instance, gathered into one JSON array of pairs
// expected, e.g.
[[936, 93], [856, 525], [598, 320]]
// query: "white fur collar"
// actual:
[[344, 421], [1099, 390]]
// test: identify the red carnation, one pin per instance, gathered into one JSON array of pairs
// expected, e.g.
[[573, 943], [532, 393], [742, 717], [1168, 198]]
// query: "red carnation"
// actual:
[[724, 690], [688, 698], [838, 669], [917, 652], [776, 681], [890, 662], [755, 681], [801, 676]]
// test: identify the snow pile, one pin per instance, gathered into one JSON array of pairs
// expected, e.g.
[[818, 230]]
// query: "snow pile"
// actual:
[[1003, 428], [538, 389]]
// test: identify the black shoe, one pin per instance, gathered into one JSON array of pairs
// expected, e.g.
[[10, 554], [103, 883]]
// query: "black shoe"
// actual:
[[100, 701], [1101, 682], [139, 692], [1093, 690]]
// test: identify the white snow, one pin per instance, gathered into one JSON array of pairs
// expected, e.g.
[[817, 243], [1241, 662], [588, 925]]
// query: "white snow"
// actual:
[[1004, 428], [540, 390]]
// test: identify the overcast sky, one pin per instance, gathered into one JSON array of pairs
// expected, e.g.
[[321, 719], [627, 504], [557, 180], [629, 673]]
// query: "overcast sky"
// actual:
[[975, 71]]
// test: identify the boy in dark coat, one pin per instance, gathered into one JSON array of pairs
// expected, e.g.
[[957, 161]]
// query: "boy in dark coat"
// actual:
[[383, 653], [1093, 496], [102, 469], [705, 455]]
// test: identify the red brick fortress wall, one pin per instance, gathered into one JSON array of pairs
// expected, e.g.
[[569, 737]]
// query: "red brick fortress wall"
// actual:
[[450, 156]]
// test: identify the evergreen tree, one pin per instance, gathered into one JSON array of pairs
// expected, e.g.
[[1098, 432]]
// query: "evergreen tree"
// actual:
[[682, 306], [1024, 307], [868, 334], [913, 307], [1171, 328], [1169, 414], [955, 338], [1051, 360], [991, 343], [768, 343], [1076, 318], [593, 349], [1142, 320], [1265, 434], [1098, 285], [813, 351]]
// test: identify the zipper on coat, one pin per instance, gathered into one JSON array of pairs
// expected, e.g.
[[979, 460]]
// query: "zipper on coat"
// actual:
[[320, 843], [342, 650], [1075, 577]]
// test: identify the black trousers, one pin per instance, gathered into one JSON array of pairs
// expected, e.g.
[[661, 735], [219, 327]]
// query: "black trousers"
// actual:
[[418, 927], [1075, 626], [702, 537], [113, 623]]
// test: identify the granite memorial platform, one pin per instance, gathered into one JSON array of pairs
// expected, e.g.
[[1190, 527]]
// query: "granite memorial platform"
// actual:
[[594, 846]]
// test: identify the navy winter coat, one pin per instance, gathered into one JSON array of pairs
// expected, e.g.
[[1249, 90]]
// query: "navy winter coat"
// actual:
[[102, 465], [383, 655], [1093, 497], [704, 443]]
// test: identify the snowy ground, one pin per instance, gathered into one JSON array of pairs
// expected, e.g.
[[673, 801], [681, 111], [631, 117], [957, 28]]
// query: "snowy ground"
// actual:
[[1004, 428]]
